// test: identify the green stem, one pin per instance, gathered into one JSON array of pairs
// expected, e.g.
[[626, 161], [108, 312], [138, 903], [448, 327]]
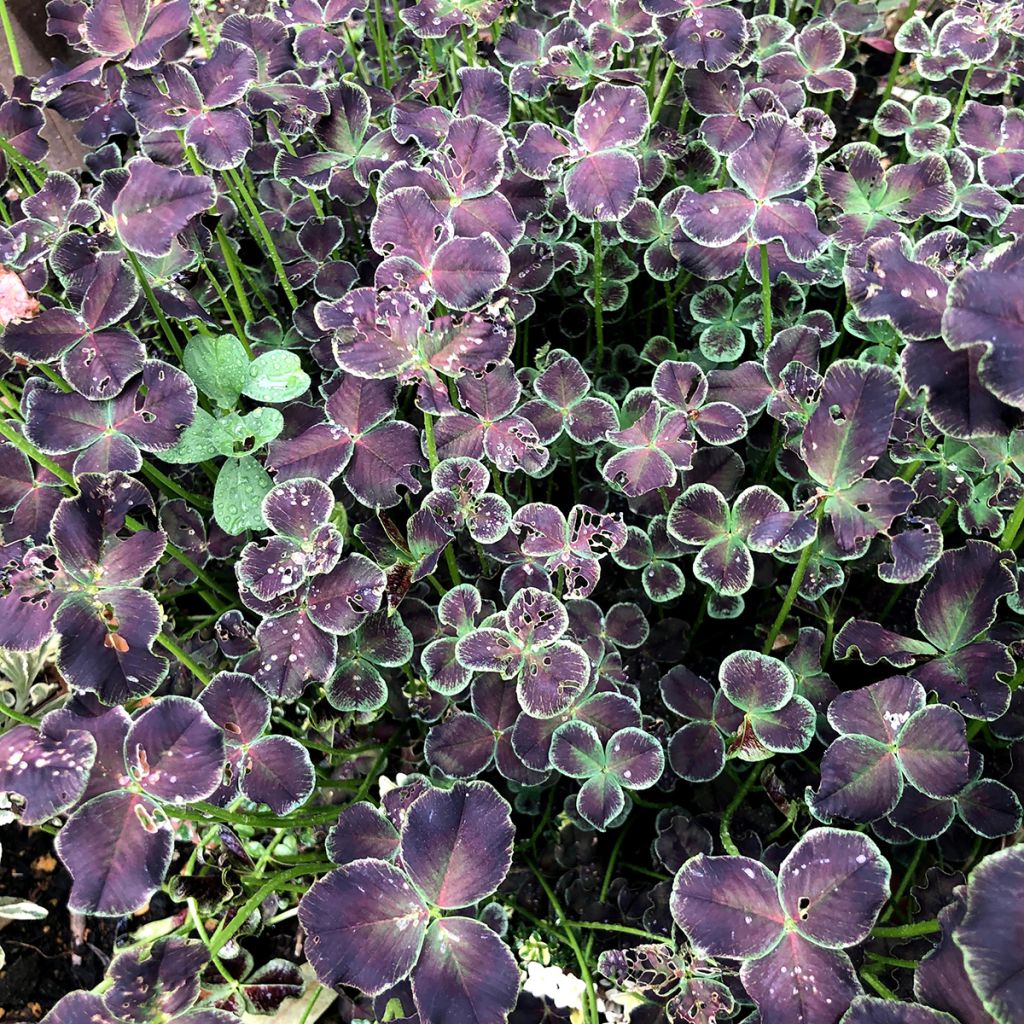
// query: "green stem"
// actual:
[[905, 931], [723, 828], [1009, 537], [892, 961], [228, 931], [18, 716], [766, 296], [882, 990], [382, 51], [153, 304], [666, 83], [186, 659], [598, 926], [169, 486], [12, 43], [264, 233], [794, 588], [963, 95], [606, 882], [236, 281], [598, 311], [226, 303], [570, 937]]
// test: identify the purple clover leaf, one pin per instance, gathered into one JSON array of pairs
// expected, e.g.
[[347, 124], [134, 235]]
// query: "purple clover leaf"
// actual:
[[826, 897], [630, 759], [699, 32], [382, 641], [569, 547], [201, 103], [370, 923], [776, 719], [653, 553], [459, 612], [565, 405], [653, 449], [360, 439], [845, 436], [490, 427], [993, 892], [525, 642], [96, 359], [812, 58], [777, 161], [873, 199], [602, 174], [460, 501], [150, 414], [758, 521], [921, 126], [684, 387], [467, 742], [390, 335], [305, 545], [888, 739], [954, 613]]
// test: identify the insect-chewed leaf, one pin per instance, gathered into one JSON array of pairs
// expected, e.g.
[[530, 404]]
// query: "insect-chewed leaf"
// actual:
[[175, 751], [849, 429], [235, 703], [833, 884], [361, 831], [365, 926], [991, 931], [277, 771], [117, 853], [160, 979], [457, 844], [342, 600], [48, 774], [728, 906], [756, 682], [466, 973], [536, 616], [156, 204]]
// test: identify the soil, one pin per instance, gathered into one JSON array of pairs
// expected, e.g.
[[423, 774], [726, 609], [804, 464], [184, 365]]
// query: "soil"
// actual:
[[45, 959]]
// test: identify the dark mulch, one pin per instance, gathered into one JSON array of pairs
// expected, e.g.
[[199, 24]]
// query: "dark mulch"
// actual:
[[45, 959]]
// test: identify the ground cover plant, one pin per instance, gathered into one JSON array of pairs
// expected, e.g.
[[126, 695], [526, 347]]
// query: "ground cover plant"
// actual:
[[511, 511]]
